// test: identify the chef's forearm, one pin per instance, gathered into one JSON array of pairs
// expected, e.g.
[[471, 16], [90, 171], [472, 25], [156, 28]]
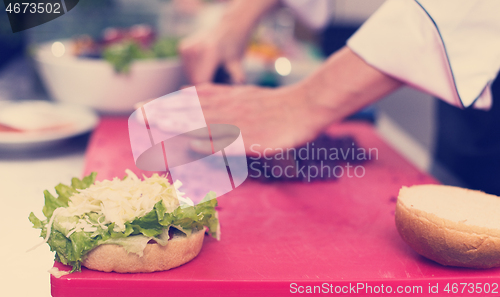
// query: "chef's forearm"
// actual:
[[346, 83]]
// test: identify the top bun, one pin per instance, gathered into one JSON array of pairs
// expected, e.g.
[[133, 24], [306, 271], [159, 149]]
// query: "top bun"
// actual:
[[450, 225]]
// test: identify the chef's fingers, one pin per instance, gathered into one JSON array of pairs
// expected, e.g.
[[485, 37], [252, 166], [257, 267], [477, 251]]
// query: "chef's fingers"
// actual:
[[235, 70], [199, 61]]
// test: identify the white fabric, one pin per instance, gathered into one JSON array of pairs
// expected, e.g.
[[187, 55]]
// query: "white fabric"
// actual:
[[448, 48], [315, 13]]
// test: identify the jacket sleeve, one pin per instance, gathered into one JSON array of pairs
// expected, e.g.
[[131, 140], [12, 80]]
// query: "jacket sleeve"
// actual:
[[448, 48]]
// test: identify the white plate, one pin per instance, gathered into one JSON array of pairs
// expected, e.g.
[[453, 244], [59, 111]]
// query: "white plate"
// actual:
[[43, 123]]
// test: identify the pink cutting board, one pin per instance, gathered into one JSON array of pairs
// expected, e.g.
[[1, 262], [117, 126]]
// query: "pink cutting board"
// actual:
[[287, 238]]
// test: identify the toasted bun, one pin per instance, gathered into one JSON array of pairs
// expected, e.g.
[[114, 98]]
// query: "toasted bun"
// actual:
[[179, 250], [450, 225]]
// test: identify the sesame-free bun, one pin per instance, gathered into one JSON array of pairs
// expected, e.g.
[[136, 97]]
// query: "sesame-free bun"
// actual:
[[450, 225], [111, 257]]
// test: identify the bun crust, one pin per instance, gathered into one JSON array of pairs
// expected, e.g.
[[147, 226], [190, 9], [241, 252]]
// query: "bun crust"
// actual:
[[179, 250], [437, 232]]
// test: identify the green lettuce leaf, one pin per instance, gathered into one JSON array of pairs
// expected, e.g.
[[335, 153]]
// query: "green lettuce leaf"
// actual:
[[137, 243], [37, 224], [121, 55], [51, 203], [128, 231], [148, 224], [64, 193], [208, 215], [84, 183], [165, 47], [60, 223]]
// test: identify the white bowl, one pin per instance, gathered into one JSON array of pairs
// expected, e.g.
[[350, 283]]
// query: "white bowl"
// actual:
[[94, 82]]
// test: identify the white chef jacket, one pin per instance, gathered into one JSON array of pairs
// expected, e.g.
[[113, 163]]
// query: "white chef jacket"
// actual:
[[448, 48]]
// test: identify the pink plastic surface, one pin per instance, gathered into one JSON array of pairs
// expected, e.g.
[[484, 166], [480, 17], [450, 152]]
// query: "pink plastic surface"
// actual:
[[335, 235]]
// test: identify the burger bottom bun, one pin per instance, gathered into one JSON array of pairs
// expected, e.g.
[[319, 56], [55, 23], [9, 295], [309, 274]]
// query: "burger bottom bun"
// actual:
[[447, 242], [179, 250]]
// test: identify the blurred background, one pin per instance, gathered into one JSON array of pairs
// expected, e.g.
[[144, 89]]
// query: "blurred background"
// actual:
[[282, 51]]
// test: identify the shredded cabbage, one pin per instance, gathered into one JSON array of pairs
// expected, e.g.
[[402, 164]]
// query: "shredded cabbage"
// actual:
[[120, 201]]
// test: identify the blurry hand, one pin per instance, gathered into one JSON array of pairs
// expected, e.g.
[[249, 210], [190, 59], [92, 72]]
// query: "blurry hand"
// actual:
[[222, 45], [268, 118]]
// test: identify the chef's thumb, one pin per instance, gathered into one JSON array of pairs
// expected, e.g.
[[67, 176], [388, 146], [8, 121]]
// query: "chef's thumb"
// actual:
[[235, 70]]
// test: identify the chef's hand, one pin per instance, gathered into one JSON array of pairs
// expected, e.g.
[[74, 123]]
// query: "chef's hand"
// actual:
[[268, 118], [224, 44], [290, 116], [203, 52]]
